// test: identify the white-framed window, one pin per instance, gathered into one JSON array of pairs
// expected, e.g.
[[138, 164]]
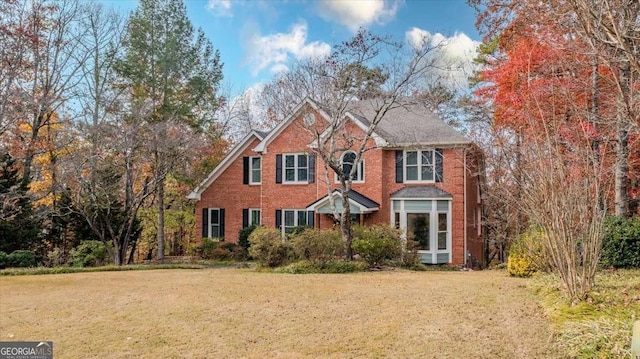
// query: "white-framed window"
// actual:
[[216, 223], [292, 218], [347, 160], [295, 168], [419, 166], [428, 221], [254, 216], [255, 170]]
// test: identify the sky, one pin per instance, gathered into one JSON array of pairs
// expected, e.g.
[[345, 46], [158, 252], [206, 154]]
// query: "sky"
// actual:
[[259, 38]]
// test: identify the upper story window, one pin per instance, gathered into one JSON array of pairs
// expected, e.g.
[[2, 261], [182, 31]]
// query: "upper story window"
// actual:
[[347, 160], [252, 170], [295, 168], [419, 166], [255, 177]]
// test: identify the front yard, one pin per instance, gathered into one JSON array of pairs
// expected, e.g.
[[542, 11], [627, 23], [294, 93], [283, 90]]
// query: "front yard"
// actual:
[[218, 313]]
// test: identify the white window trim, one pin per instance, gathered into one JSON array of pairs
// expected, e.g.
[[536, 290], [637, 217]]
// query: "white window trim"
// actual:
[[210, 224], [251, 212], [433, 214], [362, 169], [251, 180], [419, 154], [284, 168], [295, 216]]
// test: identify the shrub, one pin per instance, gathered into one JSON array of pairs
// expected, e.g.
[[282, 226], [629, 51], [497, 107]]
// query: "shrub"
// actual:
[[208, 246], [89, 254], [377, 244], [3, 260], [268, 248], [336, 266], [317, 246], [55, 258], [526, 254], [621, 243], [410, 257], [21, 258], [243, 236]]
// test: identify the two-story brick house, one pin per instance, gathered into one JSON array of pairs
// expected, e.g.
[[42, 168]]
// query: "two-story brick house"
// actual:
[[420, 175]]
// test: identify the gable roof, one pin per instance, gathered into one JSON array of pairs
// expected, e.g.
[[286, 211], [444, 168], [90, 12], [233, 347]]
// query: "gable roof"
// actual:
[[262, 146], [226, 162], [409, 125], [357, 201]]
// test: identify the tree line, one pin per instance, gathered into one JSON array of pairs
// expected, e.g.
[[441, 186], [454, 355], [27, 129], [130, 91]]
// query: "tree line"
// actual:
[[104, 121]]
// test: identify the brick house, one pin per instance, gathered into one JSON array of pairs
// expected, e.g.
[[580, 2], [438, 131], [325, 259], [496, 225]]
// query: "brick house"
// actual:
[[420, 175]]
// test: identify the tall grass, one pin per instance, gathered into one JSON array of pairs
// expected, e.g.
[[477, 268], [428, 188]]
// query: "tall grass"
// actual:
[[601, 325]]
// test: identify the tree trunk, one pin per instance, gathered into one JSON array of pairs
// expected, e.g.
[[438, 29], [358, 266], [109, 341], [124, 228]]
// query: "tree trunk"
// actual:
[[622, 146], [160, 236], [345, 225]]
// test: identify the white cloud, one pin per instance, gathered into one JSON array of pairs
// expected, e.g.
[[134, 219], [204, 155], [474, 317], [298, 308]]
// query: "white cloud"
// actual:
[[358, 13], [452, 56], [273, 52], [220, 7]]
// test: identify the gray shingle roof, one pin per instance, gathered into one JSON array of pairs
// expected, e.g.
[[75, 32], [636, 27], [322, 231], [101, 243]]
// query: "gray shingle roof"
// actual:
[[420, 192], [409, 126]]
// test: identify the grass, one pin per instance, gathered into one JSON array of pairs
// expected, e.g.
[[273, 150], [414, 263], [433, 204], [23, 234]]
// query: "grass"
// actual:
[[231, 313], [599, 327]]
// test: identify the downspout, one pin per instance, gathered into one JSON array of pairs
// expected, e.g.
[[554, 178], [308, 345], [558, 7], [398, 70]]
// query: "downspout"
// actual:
[[464, 173]]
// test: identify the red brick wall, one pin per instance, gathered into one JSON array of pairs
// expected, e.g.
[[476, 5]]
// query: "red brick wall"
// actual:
[[228, 191]]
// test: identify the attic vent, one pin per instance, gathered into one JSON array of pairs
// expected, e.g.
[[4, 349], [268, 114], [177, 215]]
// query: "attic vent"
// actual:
[[309, 119]]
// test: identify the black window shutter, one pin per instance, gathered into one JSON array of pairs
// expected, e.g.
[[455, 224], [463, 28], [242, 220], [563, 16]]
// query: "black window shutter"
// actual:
[[278, 168], [399, 165], [439, 170], [205, 222], [245, 217], [278, 218], [311, 164], [311, 218], [245, 170], [222, 222]]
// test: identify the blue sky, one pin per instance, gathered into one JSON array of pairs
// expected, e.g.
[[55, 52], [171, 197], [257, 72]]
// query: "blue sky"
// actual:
[[258, 38]]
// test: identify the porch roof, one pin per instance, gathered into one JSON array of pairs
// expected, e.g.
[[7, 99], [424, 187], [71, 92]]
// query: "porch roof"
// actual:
[[358, 203], [420, 192]]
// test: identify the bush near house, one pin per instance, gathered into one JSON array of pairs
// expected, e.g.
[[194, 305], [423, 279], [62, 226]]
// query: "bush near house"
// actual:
[[243, 236], [621, 243], [526, 254], [377, 244], [317, 246], [268, 248]]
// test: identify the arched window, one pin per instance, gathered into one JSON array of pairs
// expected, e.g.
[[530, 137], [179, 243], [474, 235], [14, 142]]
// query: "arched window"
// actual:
[[348, 158]]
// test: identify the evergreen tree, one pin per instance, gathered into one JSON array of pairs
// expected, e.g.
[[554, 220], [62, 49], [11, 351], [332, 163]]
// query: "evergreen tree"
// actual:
[[18, 227]]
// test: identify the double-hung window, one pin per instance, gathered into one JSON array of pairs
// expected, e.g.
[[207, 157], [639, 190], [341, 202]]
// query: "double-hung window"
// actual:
[[255, 175], [252, 170], [419, 166], [296, 168], [213, 222], [289, 219]]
